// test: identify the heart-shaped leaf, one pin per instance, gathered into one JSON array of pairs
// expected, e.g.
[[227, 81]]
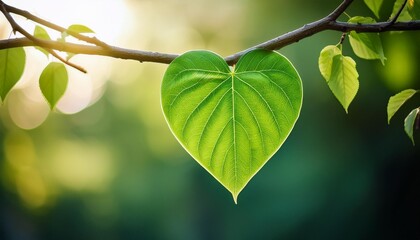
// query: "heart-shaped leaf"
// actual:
[[231, 121]]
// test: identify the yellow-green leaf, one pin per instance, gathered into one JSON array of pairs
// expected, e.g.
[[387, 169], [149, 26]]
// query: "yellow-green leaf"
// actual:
[[410, 121], [75, 28], [366, 45], [374, 6], [53, 82], [231, 121], [326, 59], [41, 33], [404, 15], [340, 73], [12, 64], [78, 28], [396, 101], [414, 8]]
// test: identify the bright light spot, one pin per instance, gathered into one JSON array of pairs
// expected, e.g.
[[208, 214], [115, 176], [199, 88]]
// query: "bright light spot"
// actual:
[[25, 113], [78, 93], [105, 17], [22, 170], [81, 166], [400, 70]]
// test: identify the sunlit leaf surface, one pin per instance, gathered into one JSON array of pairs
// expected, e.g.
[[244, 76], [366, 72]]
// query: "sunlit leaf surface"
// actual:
[[410, 121], [374, 6], [414, 8], [12, 64], [340, 73], [41, 33], [396, 101], [53, 82], [366, 45], [231, 121]]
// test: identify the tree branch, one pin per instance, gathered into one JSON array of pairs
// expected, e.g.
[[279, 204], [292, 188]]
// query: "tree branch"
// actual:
[[100, 48], [17, 28]]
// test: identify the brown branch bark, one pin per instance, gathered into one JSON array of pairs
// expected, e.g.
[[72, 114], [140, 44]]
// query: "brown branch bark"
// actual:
[[97, 47]]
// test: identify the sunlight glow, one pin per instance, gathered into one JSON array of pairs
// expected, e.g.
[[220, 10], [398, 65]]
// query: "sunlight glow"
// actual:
[[108, 18], [88, 167], [22, 170]]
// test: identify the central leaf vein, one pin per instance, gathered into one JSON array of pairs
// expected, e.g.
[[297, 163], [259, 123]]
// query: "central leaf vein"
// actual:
[[234, 135]]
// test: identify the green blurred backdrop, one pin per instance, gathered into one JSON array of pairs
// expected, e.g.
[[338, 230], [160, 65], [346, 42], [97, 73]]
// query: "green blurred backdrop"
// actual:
[[114, 171]]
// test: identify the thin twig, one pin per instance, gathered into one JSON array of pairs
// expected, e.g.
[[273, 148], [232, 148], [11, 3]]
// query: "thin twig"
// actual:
[[28, 15], [17, 28], [394, 19], [343, 37]]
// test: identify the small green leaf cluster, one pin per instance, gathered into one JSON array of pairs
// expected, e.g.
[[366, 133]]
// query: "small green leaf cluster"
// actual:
[[340, 71], [411, 11], [53, 79], [412, 120]]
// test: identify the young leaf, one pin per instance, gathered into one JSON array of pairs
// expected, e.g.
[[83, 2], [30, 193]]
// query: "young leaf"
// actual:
[[340, 73], [410, 121], [366, 45], [396, 101], [53, 82], [414, 8], [374, 6], [41, 33], [231, 121], [326, 59], [78, 28], [12, 64], [404, 16]]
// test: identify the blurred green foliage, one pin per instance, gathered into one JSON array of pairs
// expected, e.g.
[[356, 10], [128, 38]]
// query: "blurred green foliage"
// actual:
[[114, 171]]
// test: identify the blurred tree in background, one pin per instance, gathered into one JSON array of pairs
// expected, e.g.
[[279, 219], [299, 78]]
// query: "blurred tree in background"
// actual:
[[112, 169]]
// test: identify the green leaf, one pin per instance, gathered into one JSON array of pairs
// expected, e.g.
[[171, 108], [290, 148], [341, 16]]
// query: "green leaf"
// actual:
[[12, 64], [366, 45], [41, 33], [404, 16], [340, 73], [326, 59], [396, 101], [53, 82], [414, 8], [231, 121], [78, 28], [409, 123], [374, 6]]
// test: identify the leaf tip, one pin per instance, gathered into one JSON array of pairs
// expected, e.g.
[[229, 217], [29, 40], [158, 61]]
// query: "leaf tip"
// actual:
[[235, 198]]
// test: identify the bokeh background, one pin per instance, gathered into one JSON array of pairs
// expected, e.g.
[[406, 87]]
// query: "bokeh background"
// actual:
[[104, 164]]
